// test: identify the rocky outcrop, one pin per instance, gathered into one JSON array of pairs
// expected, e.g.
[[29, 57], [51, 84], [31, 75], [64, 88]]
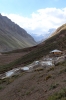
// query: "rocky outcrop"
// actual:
[[59, 59]]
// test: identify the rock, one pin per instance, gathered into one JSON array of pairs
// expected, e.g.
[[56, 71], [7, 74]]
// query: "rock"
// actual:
[[46, 63], [59, 59]]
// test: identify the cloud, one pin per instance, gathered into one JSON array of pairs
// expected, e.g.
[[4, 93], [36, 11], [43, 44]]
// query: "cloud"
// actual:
[[41, 20]]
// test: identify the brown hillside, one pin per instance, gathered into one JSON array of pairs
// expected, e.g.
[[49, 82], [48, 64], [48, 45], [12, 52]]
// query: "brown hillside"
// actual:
[[63, 27], [38, 85]]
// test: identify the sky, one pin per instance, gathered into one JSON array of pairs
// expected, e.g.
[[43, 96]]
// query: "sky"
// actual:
[[35, 16]]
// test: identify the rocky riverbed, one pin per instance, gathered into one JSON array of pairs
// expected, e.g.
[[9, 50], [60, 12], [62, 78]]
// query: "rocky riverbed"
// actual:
[[43, 63]]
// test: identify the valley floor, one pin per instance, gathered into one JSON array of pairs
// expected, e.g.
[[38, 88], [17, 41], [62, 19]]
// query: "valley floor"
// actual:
[[7, 58]]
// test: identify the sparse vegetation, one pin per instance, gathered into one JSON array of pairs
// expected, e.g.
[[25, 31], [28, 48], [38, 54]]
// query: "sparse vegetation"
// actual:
[[53, 86], [39, 69], [64, 80], [1, 87], [47, 77], [50, 69], [62, 71], [59, 96]]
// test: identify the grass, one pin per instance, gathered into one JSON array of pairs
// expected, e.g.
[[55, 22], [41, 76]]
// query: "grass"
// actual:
[[62, 71], [28, 92], [1, 87], [10, 79], [59, 95], [7, 80], [53, 86], [64, 80]]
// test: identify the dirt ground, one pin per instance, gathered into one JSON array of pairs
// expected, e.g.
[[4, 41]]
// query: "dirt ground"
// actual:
[[38, 85], [7, 58]]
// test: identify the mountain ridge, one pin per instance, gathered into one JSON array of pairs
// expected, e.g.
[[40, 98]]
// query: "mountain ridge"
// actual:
[[13, 36], [59, 29]]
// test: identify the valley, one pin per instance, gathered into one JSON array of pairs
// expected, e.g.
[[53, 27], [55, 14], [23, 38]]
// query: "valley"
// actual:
[[39, 75]]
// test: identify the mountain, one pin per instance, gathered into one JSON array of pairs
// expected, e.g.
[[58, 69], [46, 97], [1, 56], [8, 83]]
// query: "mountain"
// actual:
[[43, 36], [61, 28], [13, 36]]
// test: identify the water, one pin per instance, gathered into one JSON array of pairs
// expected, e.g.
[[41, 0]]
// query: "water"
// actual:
[[47, 63], [25, 68]]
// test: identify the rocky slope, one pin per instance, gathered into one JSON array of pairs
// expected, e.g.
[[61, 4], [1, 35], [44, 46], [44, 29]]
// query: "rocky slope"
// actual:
[[12, 36]]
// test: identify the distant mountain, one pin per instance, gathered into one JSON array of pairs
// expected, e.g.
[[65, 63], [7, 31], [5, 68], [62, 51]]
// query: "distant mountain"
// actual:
[[13, 36], [42, 37]]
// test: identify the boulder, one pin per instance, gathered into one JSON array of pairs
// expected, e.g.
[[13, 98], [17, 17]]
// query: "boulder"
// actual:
[[60, 59]]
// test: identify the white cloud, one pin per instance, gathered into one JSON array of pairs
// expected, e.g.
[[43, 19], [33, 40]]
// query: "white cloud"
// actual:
[[41, 20]]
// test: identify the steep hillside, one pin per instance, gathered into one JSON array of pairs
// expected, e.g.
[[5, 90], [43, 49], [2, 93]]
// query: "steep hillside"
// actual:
[[12, 36], [63, 27]]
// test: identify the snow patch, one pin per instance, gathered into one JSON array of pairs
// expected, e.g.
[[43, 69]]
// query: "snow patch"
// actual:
[[25, 68]]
